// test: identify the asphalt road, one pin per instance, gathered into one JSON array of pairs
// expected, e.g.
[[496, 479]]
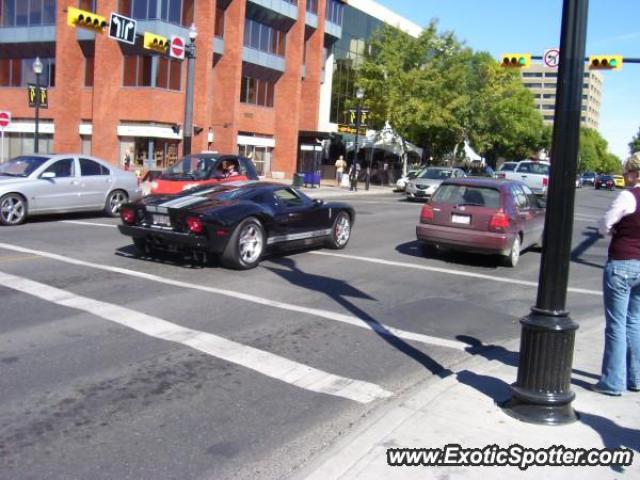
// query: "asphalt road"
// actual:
[[115, 366]]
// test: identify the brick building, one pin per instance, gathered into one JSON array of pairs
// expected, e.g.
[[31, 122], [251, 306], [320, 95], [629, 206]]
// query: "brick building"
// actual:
[[261, 69]]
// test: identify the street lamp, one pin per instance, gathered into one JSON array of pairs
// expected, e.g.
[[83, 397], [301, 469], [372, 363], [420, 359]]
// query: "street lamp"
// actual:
[[190, 53], [542, 392], [354, 170], [37, 69]]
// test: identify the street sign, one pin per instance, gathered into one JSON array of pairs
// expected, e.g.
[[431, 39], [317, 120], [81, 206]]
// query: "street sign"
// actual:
[[352, 130], [122, 28], [5, 119], [44, 96], [364, 117], [551, 57], [177, 47]]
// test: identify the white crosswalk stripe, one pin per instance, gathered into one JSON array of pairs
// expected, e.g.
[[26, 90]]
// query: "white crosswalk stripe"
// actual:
[[266, 363], [338, 317]]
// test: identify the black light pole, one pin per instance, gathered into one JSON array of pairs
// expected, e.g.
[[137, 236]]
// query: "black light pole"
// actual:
[[37, 69], [542, 393], [354, 172], [190, 53]]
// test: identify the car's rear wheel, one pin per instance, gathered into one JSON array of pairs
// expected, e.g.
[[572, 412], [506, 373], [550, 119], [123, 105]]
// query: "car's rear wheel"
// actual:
[[115, 200], [340, 231], [511, 260], [246, 245], [13, 209]]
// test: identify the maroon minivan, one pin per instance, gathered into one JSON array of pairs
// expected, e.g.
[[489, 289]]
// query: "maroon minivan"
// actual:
[[482, 215]]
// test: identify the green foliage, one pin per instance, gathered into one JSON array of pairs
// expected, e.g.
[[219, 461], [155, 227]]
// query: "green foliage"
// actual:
[[437, 93], [594, 156], [634, 145]]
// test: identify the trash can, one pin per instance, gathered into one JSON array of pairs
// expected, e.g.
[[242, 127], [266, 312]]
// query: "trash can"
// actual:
[[298, 179]]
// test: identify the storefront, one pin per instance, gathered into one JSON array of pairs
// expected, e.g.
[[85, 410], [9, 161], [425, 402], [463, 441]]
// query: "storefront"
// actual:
[[148, 147], [259, 148], [19, 139]]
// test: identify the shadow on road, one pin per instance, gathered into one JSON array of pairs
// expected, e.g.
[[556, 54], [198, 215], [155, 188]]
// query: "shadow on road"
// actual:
[[167, 258], [449, 256], [592, 237], [340, 291]]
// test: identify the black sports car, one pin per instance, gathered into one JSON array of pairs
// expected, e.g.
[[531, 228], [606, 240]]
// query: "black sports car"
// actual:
[[238, 221]]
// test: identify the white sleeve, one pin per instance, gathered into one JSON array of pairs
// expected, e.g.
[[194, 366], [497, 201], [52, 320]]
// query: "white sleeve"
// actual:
[[623, 205]]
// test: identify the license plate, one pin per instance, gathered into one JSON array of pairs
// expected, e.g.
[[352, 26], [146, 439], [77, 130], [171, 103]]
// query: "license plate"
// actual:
[[461, 219], [160, 219]]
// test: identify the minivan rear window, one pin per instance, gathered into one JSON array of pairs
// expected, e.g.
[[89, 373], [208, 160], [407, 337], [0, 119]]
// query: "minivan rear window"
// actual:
[[467, 195]]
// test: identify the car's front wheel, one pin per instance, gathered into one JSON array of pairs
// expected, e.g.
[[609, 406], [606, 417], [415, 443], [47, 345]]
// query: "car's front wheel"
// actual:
[[13, 209], [115, 200], [246, 245], [340, 231]]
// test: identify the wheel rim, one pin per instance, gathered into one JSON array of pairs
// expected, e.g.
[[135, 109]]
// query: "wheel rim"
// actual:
[[515, 251], [250, 243], [116, 201], [12, 210], [342, 230]]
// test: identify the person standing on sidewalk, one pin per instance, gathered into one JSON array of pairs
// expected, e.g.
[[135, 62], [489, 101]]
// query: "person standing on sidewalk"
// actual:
[[621, 288], [354, 172], [340, 166]]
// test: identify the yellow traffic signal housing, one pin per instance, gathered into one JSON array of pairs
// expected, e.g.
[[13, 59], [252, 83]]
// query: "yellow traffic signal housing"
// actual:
[[85, 19], [516, 60], [605, 62], [155, 42]]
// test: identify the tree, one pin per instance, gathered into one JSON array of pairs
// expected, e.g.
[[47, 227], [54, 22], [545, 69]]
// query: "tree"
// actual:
[[634, 146], [594, 156]]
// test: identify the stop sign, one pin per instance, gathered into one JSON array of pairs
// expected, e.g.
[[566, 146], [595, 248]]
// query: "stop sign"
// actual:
[[176, 50], [5, 119]]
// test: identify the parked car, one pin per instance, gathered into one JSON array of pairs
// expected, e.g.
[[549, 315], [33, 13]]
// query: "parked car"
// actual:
[[579, 182], [423, 186], [47, 183], [484, 216], [506, 167], [401, 184], [604, 181], [534, 173], [618, 181], [588, 178], [236, 221], [202, 169]]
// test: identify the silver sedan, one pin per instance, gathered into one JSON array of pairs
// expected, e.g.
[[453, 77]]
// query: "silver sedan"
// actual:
[[45, 183]]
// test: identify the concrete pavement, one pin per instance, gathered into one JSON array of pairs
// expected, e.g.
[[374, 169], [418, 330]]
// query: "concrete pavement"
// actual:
[[464, 409]]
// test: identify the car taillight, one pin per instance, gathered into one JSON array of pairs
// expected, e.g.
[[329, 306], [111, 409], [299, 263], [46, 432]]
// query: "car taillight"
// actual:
[[426, 215], [499, 222], [545, 181], [128, 216], [195, 225]]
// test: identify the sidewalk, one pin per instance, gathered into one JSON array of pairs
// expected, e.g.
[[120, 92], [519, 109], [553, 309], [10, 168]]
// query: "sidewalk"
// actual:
[[326, 190], [461, 409]]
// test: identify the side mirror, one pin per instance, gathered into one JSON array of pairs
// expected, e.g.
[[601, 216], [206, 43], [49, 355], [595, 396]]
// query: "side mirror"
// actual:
[[317, 202], [48, 175]]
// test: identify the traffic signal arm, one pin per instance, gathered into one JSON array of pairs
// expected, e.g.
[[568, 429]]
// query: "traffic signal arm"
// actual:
[[85, 19]]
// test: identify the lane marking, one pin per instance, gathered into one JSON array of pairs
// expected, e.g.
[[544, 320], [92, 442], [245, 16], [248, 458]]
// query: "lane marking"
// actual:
[[379, 328], [448, 271], [92, 224], [266, 363]]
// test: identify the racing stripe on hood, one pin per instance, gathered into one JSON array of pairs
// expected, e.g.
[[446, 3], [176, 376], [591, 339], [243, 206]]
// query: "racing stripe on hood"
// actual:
[[183, 201]]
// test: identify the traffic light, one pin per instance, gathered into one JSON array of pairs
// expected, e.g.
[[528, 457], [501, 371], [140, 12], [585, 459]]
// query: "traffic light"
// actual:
[[605, 62], [155, 42], [85, 19], [516, 60]]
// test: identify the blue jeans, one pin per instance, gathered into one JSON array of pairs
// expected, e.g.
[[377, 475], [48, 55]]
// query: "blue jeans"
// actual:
[[621, 362]]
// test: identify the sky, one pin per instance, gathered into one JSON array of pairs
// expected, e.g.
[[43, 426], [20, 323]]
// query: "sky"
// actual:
[[531, 26]]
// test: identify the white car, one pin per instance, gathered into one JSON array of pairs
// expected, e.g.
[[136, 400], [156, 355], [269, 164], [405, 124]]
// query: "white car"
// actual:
[[425, 184], [401, 184], [46, 183]]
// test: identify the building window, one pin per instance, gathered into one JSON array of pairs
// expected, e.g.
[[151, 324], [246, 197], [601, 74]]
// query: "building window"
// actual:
[[168, 73], [548, 118], [18, 72], [89, 5], [531, 74], [137, 71], [260, 156], [551, 75], [264, 38], [85, 144], [533, 85], [312, 6], [23, 13], [256, 91], [335, 12], [219, 25], [549, 95], [88, 71], [548, 107], [179, 12]]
